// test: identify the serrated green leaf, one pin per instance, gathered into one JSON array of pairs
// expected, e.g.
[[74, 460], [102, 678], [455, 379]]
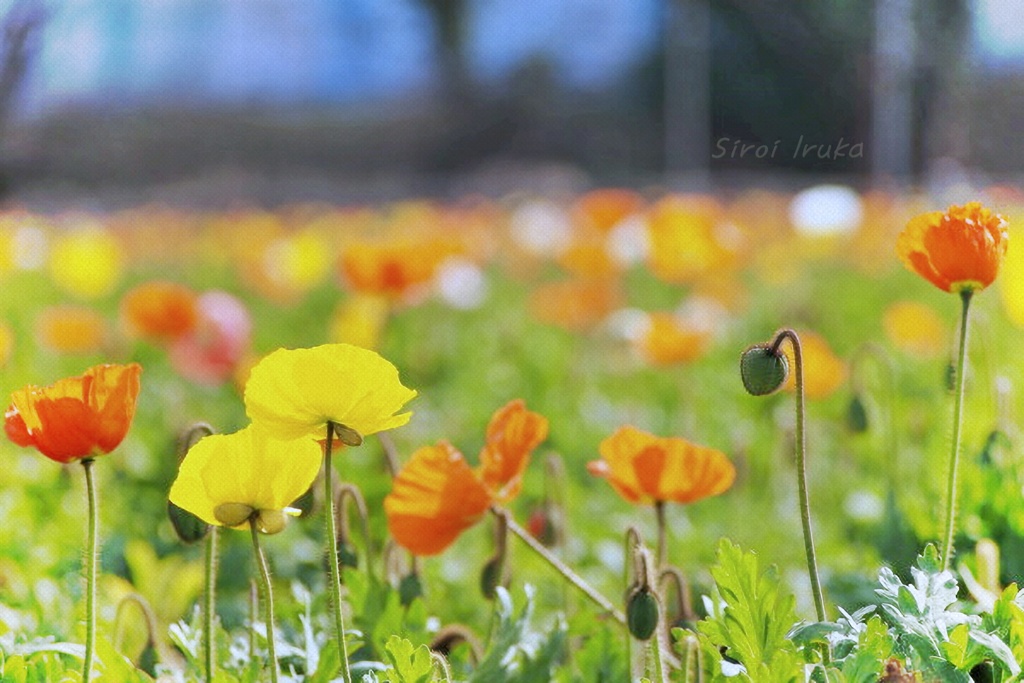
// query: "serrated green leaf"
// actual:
[[409, 664], [757, 616]]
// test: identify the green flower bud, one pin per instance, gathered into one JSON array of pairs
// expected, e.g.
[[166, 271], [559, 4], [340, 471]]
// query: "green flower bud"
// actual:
[[188, 527], [763, 370], [642, 613], [348, 556], [409, 588], [857, 415], [490, 577], [304, 503]]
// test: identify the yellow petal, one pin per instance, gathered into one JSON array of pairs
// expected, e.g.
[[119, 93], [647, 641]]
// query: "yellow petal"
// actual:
[[295, 392], [249, 468]]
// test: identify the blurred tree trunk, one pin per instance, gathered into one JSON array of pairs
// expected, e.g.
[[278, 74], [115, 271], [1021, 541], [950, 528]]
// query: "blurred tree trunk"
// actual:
[[949, 69], [892, 120], [18, 27], [450, 24], [687, 108]]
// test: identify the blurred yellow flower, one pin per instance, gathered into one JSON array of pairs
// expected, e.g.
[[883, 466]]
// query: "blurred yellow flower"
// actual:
[[1011, 284], [86, 262], [296, 392], [688, 239], [359, 320], [71, 329], [297, 262], [824, 372], [915, 328], [6, 344], [230, 479]]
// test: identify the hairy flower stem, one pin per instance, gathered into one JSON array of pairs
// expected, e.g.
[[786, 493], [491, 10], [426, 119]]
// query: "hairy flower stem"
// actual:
[[659, 668], [91, 551], [559, 566], [268, 598], [208, 601], [659, 511], [332, 557], [958, 415], [801, 468]]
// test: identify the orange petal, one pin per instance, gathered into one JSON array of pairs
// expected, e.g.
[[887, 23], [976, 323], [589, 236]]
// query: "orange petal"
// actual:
[[435, 497], [512, 434], [679, 471], [616, 465]]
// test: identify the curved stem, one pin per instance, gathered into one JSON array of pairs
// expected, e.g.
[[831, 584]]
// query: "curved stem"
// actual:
[[954, 456], [659, 511], [801, 467], [147, 615], [332, 557], [91, 552], [208, 601], [345, 493], [268, 597], [391, 459], [559, 566]]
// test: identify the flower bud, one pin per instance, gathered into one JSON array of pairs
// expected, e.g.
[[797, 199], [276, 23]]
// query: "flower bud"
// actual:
[[188, 527], [491, 576], [348, 556], [642, 613], [409, 588], [857, 415], [763, 370]]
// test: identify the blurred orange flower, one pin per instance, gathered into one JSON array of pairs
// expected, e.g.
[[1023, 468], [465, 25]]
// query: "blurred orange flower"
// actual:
[[394, 269], [915, 328], [574, 304], [71, 329], [667, 340], [644, 468], [77, 417], [604, 208], [824, 372], [959, 250], [437, 495], [159, 310]]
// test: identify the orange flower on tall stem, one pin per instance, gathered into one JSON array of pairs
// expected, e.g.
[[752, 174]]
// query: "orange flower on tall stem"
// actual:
[[77, 417], [958, 250], [648, 469], [437, 495]]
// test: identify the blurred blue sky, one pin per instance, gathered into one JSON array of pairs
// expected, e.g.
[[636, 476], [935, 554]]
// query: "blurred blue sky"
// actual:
[[126, 52]]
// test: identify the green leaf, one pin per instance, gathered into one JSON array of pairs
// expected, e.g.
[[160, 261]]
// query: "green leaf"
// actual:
[[410, 664], [757, 615]]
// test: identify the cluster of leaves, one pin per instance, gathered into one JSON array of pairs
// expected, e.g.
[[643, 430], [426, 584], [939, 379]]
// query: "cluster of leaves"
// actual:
[[918, 630]]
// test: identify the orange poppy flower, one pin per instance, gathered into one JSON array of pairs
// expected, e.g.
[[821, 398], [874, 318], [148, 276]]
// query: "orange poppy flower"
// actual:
[[437, 495], [959, 250], [575, 304], [644, 468], [512, 434], [160, 310], [77, 417]]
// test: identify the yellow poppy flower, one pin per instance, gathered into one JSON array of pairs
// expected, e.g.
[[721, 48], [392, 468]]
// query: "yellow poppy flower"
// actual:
[[225, 479], [295, 392]]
